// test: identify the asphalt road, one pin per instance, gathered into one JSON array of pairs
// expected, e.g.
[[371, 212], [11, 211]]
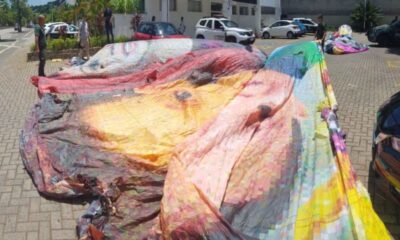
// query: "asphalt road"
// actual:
[[10, 41]]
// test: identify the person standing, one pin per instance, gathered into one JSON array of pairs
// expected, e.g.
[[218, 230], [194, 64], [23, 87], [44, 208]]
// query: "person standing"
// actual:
[[84, 39], [321, 31], [41, 44], [182, 26], [395, 19], [108, 16], [153, 18]]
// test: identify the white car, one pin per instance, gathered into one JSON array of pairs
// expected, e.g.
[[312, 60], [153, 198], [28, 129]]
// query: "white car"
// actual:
[[70, 31], [308, 23], [282, 28], [223, 29], [48, 25]]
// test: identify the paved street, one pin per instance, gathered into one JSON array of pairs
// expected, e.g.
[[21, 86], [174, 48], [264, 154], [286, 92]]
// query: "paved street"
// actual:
[[361, 83]]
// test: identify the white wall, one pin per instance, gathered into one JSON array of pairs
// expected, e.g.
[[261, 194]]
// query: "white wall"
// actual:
[[174, 17], [122, 25], [152, 8]]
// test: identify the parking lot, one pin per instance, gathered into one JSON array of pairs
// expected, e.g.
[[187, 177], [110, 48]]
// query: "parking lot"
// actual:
[[361, 83]]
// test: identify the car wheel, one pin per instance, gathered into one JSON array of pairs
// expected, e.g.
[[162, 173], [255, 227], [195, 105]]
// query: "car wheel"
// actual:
[[230, 39], [290, 35], [266, 35], [383, 40], [200, 37]]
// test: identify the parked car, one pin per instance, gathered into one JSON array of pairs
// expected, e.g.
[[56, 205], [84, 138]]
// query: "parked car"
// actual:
[[310, 25], [30, 25], [386, 148], [282, 28], [385, 35], [47, 26], [56, 30], [223, 29], [16, 27], [157, 30]]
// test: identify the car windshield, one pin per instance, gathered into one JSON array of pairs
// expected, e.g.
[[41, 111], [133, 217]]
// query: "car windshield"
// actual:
[[165, 29], [229, 23]]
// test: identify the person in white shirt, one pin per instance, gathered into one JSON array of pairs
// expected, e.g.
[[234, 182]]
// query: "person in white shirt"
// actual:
[[182, 26], [84, 39]]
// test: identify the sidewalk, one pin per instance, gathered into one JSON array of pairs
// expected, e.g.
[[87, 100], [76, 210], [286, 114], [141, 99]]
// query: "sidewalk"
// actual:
[[23, 213]]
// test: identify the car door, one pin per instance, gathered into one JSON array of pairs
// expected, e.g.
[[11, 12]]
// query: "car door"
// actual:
[[208, 33], [218, 31], [283, 29], [274, 29], [55, 33]]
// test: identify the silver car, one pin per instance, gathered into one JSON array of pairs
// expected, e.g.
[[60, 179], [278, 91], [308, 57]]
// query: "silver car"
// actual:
[[282, 28]]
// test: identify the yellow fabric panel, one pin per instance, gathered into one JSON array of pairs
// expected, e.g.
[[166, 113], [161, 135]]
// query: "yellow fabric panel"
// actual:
[[150, 125], [333, 197]]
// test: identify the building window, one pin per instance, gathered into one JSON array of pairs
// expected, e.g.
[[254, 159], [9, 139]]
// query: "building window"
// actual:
[[244, 11], [216, 7], [172, 5], [194, 6], [253, 11], [267, 10], [141, 6], [234, 10]]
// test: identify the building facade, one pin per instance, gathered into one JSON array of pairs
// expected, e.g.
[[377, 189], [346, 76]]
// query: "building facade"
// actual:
[[337, 12], [247, 13]]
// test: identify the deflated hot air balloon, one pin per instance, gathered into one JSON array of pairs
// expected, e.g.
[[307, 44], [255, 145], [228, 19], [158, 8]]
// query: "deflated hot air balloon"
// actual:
[[342, 42], [211, 142]]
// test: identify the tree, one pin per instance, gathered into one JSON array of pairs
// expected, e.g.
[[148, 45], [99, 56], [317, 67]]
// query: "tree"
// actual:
[[365, 13], [6, 16]]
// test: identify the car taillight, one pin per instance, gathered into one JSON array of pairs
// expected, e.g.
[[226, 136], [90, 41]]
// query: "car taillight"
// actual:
[[295, 27]]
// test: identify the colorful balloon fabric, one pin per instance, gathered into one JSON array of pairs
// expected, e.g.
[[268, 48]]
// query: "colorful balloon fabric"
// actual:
[[342, 42], [222, 144]]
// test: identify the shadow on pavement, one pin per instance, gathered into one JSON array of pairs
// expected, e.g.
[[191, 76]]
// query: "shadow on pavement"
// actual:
[[394, 50], [7, 40], [15, 32], [389, 50]]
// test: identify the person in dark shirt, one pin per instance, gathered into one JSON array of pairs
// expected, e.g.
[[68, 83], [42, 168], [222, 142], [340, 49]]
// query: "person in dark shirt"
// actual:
[[108, 15], [41, 44], [321, 31]]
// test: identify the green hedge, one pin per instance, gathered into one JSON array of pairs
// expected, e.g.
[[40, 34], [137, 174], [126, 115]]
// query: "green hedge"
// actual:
[[72, 43]]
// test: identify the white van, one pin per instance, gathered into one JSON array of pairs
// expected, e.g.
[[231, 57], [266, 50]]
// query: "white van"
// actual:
[[223, 29]]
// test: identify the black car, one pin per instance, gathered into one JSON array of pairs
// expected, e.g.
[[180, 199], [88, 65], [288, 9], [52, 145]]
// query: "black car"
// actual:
[[385, 35]]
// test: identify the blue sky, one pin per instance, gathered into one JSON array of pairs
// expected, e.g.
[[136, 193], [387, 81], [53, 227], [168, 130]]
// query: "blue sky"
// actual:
[[37, 2]]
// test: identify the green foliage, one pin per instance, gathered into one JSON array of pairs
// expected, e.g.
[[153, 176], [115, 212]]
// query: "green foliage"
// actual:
[[21, 11], [127, 6], [7, 16], [368, 13], [121, 39], [32, 47], [56, 45], [98, 41], [72, 43]]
